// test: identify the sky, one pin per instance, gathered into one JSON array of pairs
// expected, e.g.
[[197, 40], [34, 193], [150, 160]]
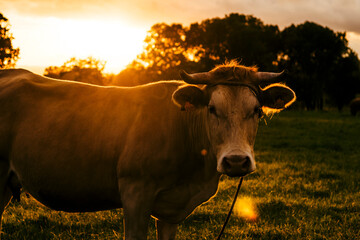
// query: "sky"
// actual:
[[50, 32]]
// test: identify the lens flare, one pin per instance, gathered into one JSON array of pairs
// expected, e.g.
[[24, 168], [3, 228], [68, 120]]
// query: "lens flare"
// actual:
[[204, 152], [246, 208]]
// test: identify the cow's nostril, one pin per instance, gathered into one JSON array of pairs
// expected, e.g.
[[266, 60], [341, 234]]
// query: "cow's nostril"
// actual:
[[235, 159], [246, 162], [226, 163]]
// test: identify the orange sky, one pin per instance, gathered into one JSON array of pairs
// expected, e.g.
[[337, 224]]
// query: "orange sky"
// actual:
[[50, 32]]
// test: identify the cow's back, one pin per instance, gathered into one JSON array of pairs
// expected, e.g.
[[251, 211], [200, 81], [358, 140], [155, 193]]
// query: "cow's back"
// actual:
[[51, 136], [68, 143], [10, 84], [62, 139]]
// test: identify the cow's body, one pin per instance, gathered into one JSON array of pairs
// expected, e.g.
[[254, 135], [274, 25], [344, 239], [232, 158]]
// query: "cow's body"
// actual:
[[84, 140], [78, 147]]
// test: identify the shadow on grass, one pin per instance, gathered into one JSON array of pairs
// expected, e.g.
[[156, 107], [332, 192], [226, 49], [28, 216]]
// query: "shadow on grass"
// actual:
[[44, 228], [281, 212]]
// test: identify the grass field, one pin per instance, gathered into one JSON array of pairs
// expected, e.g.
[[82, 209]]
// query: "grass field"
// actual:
[[307, 186]]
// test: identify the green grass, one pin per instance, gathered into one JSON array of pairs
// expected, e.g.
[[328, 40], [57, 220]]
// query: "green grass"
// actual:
[[307, 186]]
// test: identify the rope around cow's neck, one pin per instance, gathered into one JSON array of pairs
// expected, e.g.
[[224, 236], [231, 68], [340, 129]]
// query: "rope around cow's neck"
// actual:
[[231, 208]]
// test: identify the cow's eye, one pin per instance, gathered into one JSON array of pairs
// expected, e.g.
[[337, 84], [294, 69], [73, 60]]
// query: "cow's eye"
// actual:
[[258, 111], [212, 109]]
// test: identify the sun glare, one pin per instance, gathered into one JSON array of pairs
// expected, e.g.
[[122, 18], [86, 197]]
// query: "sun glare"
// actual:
[[58, 40], [246, 208], [114, 42]]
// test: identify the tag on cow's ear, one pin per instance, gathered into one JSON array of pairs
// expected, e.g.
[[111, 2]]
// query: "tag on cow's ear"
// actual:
[[190, 97], [277, 96]]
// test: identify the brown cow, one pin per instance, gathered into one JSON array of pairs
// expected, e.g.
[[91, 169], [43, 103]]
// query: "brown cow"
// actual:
[[355, 106], [78, 147]]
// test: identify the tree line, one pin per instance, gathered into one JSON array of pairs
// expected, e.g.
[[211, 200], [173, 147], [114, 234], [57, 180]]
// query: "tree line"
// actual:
[[323, 69]]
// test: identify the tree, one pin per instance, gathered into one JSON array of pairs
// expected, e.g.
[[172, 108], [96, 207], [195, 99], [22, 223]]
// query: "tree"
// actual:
[[8, 54], [169, 48], [83, 70], [312, 53], [323, 69], [236, 36], [164, 51], [346, 82]]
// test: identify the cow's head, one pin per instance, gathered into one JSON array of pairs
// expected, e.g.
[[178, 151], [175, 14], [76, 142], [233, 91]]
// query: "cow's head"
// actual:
[[235, 98]]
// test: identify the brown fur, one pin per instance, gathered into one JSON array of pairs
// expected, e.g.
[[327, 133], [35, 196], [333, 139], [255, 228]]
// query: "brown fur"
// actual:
[[79, 147], [235, 69]]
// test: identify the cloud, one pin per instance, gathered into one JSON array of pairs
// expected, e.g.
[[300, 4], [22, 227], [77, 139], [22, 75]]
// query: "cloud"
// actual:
[[341, 15], [338, 14], [38, 16]]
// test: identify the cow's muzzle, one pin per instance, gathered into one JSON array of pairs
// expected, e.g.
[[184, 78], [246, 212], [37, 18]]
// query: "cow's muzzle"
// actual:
[[237, 165]]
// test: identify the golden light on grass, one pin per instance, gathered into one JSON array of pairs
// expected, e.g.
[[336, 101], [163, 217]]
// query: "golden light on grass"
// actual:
[[245, 207]]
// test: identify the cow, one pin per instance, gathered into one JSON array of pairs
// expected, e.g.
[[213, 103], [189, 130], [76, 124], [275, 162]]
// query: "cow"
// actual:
[[154, 150], [355, 106]]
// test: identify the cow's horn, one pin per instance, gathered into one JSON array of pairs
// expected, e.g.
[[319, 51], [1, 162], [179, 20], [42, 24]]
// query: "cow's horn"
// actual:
[[269, 77], [195, 78]]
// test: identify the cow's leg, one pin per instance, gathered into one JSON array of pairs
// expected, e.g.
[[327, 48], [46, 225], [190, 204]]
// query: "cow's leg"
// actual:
[[165, 231], [5, 192], [137, 202]]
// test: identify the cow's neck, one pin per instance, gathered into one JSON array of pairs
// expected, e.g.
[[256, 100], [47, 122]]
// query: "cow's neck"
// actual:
[[198, 180], [199, 145]]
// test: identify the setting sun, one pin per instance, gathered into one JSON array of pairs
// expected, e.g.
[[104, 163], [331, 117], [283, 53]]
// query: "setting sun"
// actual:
[[115, 42]]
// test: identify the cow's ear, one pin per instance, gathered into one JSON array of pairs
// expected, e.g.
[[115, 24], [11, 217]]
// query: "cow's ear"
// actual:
[[277, 96], [190, 97]]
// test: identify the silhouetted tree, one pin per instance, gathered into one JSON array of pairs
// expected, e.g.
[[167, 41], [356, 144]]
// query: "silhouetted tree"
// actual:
[[164, 52], [345, 84], [8, 54], [169, 48], [323, 69], [236, 36], [312, 54], [83, 70]]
